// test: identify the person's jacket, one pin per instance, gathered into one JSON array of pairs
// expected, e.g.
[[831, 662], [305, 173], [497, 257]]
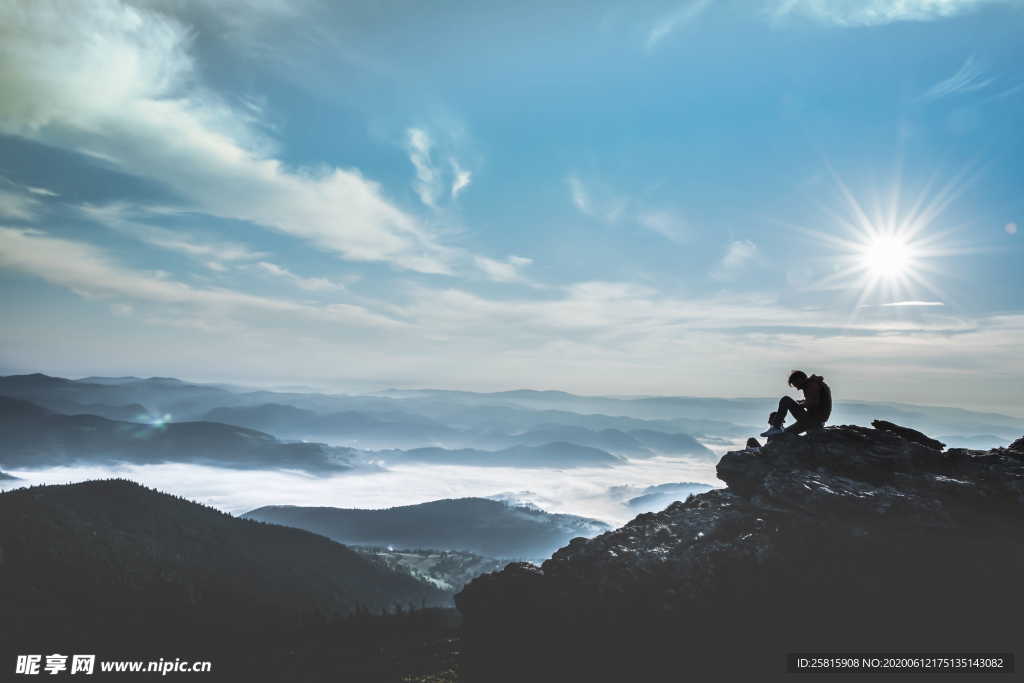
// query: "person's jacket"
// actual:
[[818, 398]]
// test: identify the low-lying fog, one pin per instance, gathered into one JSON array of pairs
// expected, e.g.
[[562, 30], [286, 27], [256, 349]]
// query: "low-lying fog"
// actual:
[[580, 491]]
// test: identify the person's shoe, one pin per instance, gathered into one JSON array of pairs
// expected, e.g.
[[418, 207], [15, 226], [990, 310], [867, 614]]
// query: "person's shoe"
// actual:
[[774, 430]]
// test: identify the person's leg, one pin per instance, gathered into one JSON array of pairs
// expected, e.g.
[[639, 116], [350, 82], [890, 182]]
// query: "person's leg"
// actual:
[[787, 404]]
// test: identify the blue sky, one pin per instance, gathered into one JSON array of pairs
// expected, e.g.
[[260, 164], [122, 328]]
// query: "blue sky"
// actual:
[[678, 198]]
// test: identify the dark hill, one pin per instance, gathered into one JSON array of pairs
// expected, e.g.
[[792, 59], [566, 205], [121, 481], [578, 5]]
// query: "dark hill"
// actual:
[[476, 525], [34, 437], [106, 558], [846, 540]]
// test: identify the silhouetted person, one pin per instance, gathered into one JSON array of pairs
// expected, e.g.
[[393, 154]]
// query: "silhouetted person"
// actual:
[[810, 413]]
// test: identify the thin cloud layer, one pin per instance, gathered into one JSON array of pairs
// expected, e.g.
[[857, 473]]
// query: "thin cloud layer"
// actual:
[[970, 77], [875, 12], [119, 83], [86, 270], [738, 255]]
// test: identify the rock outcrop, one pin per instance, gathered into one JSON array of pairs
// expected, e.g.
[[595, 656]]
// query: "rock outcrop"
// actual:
[[847, 539]]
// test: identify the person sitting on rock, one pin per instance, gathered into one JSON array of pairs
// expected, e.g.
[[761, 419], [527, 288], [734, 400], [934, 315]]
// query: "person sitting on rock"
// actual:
[[810, 413]]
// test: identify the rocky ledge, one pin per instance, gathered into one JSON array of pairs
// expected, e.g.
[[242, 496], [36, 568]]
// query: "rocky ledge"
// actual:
[[847, 539]]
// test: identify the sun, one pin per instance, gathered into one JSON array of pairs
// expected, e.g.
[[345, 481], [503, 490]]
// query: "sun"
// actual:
[[885, 250], [886, 261], [887, 257]]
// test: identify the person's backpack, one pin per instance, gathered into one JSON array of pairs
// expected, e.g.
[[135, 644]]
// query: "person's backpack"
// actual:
[[825, 405]]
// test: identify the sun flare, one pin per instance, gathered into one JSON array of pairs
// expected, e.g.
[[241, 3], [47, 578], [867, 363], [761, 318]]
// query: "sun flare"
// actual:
[[888, 251], [888, 256]]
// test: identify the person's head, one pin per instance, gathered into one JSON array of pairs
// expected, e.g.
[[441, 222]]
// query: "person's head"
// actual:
[[798, 378]]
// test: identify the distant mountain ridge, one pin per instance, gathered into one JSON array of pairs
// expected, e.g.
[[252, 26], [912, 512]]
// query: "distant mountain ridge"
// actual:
[[407, 420], [548, 455], [476, 525], [34, 437]]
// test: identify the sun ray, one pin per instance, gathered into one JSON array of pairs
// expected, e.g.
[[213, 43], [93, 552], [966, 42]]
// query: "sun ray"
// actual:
[[884, 252]]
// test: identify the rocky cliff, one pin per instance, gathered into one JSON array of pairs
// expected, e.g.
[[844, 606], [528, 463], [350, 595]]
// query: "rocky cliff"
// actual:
[[848, 539]]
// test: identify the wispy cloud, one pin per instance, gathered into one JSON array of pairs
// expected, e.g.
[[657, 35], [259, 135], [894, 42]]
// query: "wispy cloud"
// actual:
[[461, 178], [119, 82], [738, 255], [915, 303], [970, 77], [18, 206], [676, 20], [665, 223], [596, 200], [21, 202], [41, 191], [608, 205], [428, 181], [509, 270], [88, 271], [128, 219], [311, 284], [431, 176], [875, 12]]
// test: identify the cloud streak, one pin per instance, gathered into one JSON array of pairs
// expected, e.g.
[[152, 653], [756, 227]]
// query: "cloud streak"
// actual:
[[310, 284], [125, 219], [86, 270], [970, 77], [675, 21], [118, 82], [738, 255], [877, 12]]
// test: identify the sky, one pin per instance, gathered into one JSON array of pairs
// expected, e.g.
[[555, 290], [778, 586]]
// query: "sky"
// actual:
[[680, 198]]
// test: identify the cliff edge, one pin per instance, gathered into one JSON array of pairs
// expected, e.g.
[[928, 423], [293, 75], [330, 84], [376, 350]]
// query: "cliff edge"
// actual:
[[848, 539]]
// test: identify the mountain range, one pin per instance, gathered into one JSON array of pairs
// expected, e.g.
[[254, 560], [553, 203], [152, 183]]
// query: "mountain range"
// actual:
[[34, 437], [476, 525]]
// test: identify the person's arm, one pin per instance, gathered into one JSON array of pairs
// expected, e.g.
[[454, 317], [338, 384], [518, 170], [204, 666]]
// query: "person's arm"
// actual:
[[812, 395]]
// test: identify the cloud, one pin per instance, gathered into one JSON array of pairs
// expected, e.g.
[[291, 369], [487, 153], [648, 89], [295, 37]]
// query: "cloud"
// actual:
[[580, 198], [915, 303], [428, 181], [123, 218], [876, 12], [87, 271], [970, 77], [430, 176], [676, 20], [598, 200], [737, 256], [606, 205], [41, 191], [461, 179], [311, 284], [590, 337], [664, 223], [119, 83], [18, 206], [504, 271]]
